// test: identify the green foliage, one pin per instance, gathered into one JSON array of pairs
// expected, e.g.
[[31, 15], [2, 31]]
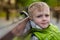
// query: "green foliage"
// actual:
[[26, 2], [2, 14], [51, 3]]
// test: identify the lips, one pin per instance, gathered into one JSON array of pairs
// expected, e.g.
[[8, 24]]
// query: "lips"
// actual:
[[44, 23]]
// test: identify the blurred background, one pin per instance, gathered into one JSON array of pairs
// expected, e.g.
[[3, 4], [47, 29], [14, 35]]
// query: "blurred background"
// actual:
[[10, 11]]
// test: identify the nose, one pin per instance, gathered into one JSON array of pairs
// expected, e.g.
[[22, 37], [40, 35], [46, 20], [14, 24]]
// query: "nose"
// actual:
[[44, 18]]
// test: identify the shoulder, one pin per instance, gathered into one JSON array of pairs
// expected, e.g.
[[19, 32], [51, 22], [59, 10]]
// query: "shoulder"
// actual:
[[53, 27]]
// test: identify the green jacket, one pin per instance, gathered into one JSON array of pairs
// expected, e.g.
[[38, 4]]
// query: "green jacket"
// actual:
[[50, 33]]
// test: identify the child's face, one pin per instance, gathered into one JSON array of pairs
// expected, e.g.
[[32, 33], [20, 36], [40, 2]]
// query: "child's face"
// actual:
[[41, 18]]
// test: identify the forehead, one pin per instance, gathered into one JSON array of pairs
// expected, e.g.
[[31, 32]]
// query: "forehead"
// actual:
[[44, 11], [39, 7]]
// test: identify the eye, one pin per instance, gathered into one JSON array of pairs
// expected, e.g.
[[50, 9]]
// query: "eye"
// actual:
[[39, 16], [46, 15]]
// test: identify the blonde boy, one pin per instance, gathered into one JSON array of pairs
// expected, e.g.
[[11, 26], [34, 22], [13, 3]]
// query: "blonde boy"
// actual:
[[41, 28], [40, 13]]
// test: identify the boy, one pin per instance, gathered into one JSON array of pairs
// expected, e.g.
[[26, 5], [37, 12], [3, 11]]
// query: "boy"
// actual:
[[40, 26]]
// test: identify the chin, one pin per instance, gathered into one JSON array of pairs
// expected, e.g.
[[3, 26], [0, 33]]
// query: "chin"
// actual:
[[45, 26]]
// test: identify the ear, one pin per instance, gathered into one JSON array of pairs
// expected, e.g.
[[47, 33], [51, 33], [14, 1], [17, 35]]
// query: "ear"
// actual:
[[30, 18]]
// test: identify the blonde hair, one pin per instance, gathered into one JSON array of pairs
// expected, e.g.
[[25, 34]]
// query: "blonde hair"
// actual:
[[40, 6]]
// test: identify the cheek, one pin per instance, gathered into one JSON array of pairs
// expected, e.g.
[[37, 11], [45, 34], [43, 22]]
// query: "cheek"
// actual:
[[37, 21], [48, 19]]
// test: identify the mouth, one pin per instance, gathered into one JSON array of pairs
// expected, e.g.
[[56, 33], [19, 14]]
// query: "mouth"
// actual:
[[43, 23]]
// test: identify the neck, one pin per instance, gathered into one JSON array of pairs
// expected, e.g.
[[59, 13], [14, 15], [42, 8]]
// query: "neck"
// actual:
[[34, 25]]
